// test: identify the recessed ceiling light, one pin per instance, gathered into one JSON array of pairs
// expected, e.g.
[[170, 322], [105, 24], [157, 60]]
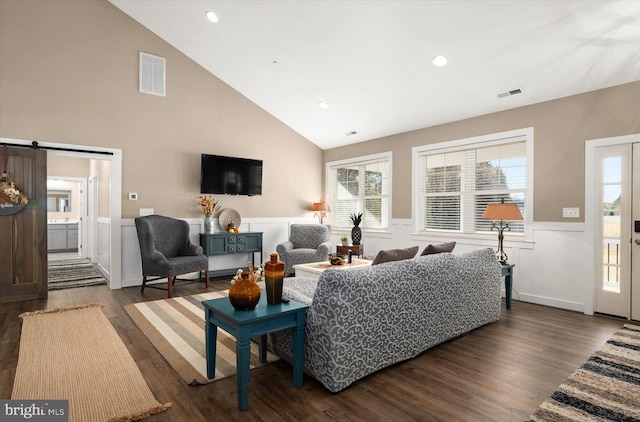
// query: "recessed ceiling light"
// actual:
[[211, 16], [322, 104], [439, 61]]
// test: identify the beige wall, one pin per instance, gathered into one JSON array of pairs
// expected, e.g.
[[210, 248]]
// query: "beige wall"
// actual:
[[102, 170], [69, 74], [66, 166], [561, 128]]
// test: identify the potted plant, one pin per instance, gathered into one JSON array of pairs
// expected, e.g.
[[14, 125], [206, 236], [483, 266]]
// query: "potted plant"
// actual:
[[344, 239], [356, 232]]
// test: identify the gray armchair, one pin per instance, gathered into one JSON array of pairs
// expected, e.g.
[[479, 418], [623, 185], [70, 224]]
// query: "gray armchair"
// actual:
[[167, 252], [307, 243]]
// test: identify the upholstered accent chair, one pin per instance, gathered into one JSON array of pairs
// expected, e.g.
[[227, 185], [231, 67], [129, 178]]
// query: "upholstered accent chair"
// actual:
[[167, 252], [307, 243]]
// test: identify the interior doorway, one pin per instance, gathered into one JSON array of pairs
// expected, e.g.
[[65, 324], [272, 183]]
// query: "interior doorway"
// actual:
[[66, 216], [111, 230]]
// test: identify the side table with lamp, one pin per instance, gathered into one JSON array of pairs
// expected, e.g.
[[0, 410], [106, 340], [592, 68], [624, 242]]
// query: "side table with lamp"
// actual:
[[503, 213]]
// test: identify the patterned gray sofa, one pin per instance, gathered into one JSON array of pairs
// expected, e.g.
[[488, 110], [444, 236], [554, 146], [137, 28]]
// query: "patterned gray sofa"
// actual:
[[361, 321]]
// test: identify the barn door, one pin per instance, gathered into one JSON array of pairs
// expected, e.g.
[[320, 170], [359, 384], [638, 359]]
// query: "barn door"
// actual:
[[23, 229]]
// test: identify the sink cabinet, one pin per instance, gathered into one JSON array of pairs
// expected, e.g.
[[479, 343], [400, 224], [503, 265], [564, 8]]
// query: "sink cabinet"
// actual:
[[62, 237]]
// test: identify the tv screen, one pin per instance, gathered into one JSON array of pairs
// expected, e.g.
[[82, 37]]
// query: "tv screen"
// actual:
[[230, 175]]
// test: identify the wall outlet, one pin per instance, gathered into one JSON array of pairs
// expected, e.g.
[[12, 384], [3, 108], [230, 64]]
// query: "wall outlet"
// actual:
[[133, 197], [571, 212], [146, 211]]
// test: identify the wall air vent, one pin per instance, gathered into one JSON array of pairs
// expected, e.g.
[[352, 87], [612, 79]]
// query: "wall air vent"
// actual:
[[353, 132], [509, 93], [152, 73]]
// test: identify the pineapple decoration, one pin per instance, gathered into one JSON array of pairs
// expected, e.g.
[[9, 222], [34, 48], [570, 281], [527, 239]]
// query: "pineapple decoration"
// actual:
[[356, 232]]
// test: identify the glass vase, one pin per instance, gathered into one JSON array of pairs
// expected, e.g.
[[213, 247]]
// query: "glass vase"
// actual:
[[244, 294], [273, 278]]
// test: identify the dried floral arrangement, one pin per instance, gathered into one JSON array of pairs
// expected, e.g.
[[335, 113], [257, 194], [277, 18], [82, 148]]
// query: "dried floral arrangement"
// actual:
[[9, 193], [256, 274], [208, 204]]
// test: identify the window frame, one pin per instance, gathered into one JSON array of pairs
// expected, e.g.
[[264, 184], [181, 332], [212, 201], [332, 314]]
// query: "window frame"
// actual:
[[360, 161], [467, 144]]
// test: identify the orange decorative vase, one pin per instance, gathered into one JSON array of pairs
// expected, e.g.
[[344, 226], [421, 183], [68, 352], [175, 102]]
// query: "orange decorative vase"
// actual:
[[273, 277], [244, 294]]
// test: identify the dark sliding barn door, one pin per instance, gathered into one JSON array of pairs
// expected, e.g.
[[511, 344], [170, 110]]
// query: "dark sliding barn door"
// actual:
[[23, 236]]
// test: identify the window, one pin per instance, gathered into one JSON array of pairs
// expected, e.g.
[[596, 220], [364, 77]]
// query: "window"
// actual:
[[454, 182], [360, 185]]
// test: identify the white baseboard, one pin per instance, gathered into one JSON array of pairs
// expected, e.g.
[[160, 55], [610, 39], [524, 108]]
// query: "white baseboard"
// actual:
[[555, 303]]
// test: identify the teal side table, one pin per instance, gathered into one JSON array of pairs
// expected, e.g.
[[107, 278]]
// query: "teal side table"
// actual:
[[507, 273], [244, 325]]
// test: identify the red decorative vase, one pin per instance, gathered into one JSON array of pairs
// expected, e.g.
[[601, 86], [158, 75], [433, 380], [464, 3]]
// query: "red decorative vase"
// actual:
[[273, 276], [245, 293]]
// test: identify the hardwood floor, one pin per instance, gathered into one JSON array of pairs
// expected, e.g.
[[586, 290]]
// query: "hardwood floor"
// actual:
[[499, 372]]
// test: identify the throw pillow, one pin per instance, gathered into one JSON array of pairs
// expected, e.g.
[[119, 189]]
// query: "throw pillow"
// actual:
[[444, 247], [391, 255]]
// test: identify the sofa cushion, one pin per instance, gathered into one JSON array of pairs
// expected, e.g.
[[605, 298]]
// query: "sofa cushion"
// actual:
[[391, 255], [444, 247]]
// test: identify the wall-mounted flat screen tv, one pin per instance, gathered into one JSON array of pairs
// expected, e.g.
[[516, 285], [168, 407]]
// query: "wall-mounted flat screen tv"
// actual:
[[230, 175]]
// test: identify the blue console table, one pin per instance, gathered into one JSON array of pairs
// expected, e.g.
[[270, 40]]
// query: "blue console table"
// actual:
[[244, 325], [224, 243], [507, 273]]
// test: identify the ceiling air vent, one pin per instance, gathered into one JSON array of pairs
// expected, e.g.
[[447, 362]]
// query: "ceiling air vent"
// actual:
[[353, 132], [509, 93]]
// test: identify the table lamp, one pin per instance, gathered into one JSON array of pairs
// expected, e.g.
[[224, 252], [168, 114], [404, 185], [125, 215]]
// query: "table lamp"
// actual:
[[320, 210], [502, 212]]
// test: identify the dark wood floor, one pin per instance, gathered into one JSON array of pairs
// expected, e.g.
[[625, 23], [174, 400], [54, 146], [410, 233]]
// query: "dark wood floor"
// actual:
[[500, 372]]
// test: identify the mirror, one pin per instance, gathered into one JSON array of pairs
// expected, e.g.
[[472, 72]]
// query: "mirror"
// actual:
[[58, 200]]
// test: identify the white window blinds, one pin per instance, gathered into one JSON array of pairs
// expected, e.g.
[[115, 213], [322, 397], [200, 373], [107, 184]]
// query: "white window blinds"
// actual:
[[454, 186], [360, 187]]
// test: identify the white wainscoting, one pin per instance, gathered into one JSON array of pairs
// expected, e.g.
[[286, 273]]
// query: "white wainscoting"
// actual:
[[274, 231], [550, 267], [103, 258]]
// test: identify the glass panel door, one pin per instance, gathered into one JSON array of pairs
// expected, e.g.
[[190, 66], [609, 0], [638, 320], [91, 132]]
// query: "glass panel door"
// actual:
[[614, 195]]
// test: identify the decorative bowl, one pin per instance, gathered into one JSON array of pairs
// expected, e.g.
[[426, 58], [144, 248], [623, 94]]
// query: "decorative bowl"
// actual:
[[335, 259]]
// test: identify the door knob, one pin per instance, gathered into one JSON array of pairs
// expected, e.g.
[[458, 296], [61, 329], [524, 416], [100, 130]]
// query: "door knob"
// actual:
[[638, 241]]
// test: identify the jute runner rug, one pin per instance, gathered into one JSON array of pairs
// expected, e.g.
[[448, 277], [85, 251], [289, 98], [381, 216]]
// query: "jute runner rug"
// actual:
[[175, 327], [75, 354], [605, 388], [70, 273]]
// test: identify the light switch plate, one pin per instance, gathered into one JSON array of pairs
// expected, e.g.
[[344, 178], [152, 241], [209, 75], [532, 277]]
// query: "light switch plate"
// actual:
[[571, 212], [146, 211]]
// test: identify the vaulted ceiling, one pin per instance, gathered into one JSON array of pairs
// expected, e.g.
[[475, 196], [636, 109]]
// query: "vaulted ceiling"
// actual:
[[370, 62]]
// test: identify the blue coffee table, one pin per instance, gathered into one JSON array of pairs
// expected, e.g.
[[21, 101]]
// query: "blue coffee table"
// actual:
[[244, 325]]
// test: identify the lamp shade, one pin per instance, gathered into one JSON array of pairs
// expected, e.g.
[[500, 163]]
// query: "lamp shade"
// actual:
[[507, 212], [320, 207]]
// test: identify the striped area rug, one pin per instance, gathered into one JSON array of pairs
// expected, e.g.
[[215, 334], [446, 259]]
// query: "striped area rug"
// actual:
[[605, 388], [70, 273], [175, 327]]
